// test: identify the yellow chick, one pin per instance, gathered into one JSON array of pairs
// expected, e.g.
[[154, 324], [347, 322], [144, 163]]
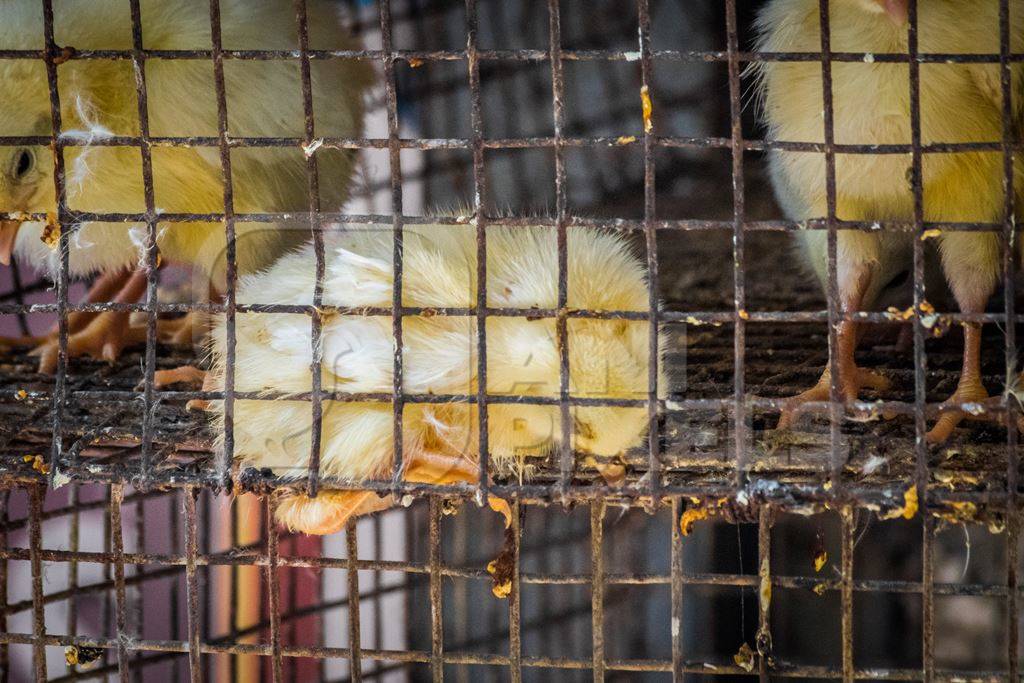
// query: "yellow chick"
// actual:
[[608, 358], [98, 100], [959, 103]]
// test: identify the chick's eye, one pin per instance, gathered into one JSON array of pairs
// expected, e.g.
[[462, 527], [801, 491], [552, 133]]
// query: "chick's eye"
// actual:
[[23, 163]]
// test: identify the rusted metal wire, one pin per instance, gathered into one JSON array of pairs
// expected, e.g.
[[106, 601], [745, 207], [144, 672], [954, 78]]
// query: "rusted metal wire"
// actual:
[[597, 584], [398, 248], [847, 588], [479, 195], [60, 195], [192, 587], [117, 541], [38, 615], [5, 654], [654, 408], [316, 319], [597, 578], [229, 219], [1010, 238], [436, 591]]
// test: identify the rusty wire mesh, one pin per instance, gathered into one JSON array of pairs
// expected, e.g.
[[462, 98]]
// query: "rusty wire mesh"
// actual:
[[135, 458]]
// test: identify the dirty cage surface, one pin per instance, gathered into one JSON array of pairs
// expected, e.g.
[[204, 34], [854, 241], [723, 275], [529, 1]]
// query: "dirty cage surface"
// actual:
[[155, 557]]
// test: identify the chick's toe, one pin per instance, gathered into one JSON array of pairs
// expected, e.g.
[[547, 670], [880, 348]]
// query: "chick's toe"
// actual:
[[102, 339]]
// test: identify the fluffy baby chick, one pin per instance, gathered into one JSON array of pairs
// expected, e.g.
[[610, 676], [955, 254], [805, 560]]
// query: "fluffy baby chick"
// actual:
[[607, 359], [98, 100], [959, 103]]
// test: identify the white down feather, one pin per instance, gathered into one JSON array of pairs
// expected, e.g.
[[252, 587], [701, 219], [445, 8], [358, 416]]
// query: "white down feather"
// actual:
[[439, 352]]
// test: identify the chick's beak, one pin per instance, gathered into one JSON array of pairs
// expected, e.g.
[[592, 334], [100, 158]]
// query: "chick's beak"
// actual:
[[896, 9], [8, 233]]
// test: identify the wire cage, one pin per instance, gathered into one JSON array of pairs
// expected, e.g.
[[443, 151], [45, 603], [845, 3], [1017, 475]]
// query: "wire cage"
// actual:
[[132, 547]]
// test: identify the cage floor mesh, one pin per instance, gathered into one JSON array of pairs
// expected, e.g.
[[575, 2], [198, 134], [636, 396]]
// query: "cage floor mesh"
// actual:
[[102, 419]]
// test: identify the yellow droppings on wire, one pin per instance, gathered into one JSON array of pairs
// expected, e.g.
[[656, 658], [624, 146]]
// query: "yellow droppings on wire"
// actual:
[[963, 511], [744, 658], [415, 62], [21, 394], [896, 314], [820, 588], [827, 485], [909, 508], [502, 589], [81, 655], [910, 503], [965, 508], [765, 592], [648, 109], [51, 233], [820, 560], [742, 313], [625, 139], [690, 517], [927, 308], [928, 234], [39, 464]]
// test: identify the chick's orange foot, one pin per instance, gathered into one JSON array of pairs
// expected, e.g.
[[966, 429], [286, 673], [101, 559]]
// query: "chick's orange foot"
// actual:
[[190, 376], [851, 383], [25, 341], [77, 321], [969, 393], [103, 288], [104, 338], [330, 511], [440, 469], [184, 374], [184, 331]]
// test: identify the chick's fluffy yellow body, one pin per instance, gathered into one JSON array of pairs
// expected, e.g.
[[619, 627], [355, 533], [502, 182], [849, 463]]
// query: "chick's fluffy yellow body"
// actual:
[[608, 358], [871, 106], [98, 100], [871, 98]]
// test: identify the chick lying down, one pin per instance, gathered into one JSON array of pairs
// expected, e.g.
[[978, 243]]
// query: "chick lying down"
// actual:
[[608, 358]]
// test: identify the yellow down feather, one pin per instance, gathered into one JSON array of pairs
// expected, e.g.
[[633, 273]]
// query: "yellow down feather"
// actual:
[[607, 358], [959, 103], [98, 99]]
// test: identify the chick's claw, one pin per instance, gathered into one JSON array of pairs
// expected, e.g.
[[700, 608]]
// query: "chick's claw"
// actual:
[[329, 512], [188, 375], [183, 331], [436, 468], [862, 378], [105, 287], [971, 393], [185, 374], [23, 341], [103, 338]]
